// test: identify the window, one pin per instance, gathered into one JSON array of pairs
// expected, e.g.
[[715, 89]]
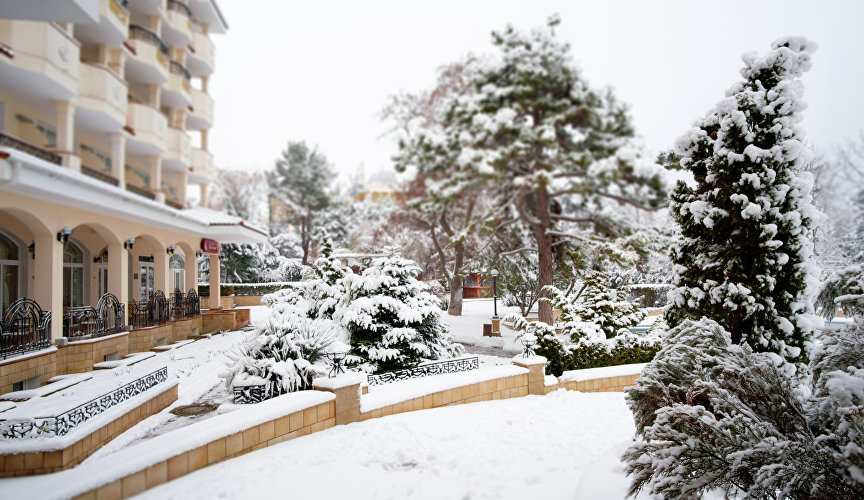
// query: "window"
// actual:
[[49, 132], [73, 275], [177, 265], [10, 265]]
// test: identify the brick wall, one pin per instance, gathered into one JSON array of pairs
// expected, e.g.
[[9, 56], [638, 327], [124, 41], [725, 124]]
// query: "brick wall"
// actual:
[[144, 339], [43, 365], [78, 357], [28, 464], [604, 384]]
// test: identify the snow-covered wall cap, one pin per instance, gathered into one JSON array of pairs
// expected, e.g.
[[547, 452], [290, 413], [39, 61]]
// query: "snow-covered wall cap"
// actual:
[[529, 361], [602, 372], [339, 381], [549, 380]]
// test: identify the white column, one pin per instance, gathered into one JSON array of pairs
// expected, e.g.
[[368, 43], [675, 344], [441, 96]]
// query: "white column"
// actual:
[[191, 272], [181, 187], [203, 201], [118, 158], [48, 280], [66, 134], [156, 177], [215, 291], [118, 273]]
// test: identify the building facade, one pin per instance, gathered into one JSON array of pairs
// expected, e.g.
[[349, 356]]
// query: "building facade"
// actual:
[[104, 122]]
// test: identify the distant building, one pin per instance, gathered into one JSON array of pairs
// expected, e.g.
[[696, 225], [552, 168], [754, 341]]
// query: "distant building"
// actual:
[[382, 185], [98, 99]]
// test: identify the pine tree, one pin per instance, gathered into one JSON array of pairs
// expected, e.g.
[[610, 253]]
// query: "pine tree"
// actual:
[[742, 256], [394, 322], [549, 144], [300, 184], [609, 308]]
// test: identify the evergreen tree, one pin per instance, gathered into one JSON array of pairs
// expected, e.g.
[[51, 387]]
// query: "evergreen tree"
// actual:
[[300, 185], [394, 322], [608, 308], [741, 258], [549, 144]]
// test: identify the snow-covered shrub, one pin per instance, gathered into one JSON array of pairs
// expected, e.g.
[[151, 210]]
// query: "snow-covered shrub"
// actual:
[[281, 354], [594, 330], [712, 415], [394, 322]]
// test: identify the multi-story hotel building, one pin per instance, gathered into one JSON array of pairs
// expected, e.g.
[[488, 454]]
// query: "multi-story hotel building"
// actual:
[[104, 122]]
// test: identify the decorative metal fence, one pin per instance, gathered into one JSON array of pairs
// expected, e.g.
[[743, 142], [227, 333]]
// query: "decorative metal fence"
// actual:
[[178, 305], [439, 368], [154, 311], [84, 322], [192, 303], [61, 424], [24, 328], [248, 394]]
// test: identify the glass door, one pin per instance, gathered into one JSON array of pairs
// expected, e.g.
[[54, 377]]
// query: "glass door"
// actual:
[[145, 277]]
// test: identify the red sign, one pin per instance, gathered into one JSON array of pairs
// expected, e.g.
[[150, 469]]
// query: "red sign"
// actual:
[[209, 246]]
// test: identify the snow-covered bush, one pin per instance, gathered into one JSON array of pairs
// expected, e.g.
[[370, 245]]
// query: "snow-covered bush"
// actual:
[[712, 415], [393, 321], [285, 353], [594, 330]]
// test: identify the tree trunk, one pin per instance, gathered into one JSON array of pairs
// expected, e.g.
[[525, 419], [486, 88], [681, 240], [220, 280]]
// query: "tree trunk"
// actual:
[[455, 308], [544, 254], [304, 240]]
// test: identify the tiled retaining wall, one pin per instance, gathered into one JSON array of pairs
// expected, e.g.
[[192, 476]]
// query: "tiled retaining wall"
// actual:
[[225, 319], [246, 300], [604, 384], [144, 339], [513, 386], [17, 369], [287, 427], [28, 464], [79, 356], [186, 328]]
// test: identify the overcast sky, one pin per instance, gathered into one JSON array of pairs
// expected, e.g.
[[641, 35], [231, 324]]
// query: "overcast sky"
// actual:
[[320, 71]]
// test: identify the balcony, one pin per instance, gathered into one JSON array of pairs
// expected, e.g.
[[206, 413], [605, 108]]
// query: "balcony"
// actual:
[[147, 127], [112, 27], [42, 60], [201, 115], [149, 61], [202, 55], [8, 141], [179, 154], [101, 99], [177, 93], [202, 166], [178, 28]]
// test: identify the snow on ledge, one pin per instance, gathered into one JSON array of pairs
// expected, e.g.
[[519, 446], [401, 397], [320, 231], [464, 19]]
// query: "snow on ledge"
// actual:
[[397, 392], [549, 380], [29, 355], [339, 381], [530, 360], [96, 473], [602, 372]]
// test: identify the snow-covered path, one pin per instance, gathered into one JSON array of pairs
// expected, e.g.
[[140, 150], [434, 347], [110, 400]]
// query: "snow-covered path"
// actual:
[[530, 447]]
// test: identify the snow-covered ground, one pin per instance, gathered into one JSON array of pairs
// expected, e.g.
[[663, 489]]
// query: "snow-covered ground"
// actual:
[[468, 328], [563, 445]]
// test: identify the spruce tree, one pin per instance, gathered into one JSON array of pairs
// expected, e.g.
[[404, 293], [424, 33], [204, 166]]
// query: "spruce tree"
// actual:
[[741, 259], [609, 308], [394, 322]]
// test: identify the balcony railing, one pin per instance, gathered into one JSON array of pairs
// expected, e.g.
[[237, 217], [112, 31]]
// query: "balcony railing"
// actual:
[[179, 69], [179, 7], [140, 191], [85, 322], [141, 33], [24, 328], [26, 147], [154, 311], [100, 175]]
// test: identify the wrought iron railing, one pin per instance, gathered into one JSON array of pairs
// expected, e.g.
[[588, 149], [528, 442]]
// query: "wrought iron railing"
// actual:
[[140, 191], [141, 33], [179, 7], [111, 314], [24, 328], [61, 424], [193, 303], [26, 147], [178, 305], [99, 175], [439, 368], [154, 311], [179, 69]]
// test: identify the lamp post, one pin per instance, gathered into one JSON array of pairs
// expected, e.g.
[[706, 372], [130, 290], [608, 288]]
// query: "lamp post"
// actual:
[[495, 292]]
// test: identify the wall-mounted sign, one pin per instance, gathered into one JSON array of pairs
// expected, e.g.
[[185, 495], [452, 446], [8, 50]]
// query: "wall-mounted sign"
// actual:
[[209, 246]]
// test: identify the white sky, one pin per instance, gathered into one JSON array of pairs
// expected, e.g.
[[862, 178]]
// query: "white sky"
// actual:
[[320, 71]]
